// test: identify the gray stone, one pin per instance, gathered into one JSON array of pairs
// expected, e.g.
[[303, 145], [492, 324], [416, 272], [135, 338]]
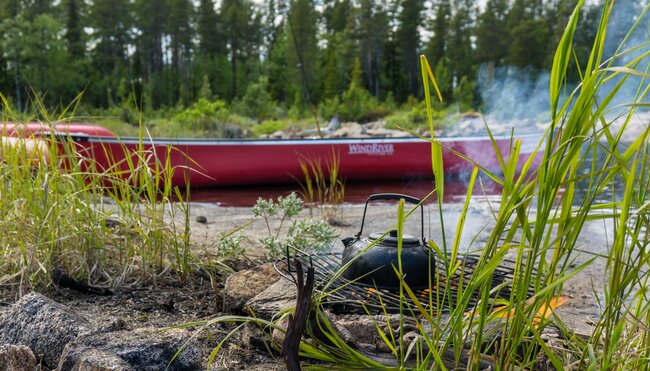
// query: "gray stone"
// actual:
[[17, 358], [374, 125], [334, 124], [43, 325], [140, 349], [277, 297], [350, 130], [387, 133], [96, 360], [242, 286]]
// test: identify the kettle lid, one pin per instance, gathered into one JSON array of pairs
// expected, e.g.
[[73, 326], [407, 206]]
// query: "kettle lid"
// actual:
[[391, 239]]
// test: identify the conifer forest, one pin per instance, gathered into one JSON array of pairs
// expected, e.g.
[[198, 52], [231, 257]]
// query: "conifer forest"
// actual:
[[272, 59]]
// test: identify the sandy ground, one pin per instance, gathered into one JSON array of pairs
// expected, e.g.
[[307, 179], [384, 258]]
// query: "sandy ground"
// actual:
[[168, 301], [583, 290]]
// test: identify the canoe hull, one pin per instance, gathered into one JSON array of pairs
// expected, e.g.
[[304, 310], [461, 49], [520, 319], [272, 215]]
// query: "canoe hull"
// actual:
[[208, 163], [215, 163]]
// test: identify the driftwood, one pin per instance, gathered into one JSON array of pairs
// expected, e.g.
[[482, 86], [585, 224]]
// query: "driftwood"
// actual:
[[298, 321]]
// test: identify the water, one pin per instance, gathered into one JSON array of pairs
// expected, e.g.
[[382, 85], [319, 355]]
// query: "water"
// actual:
[[355, 193]]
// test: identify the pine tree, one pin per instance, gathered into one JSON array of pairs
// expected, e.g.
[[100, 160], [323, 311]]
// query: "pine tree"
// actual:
[[408, 42], [74, 34], [302, 50], [373, 26], [492, 33], [336, 15], [112, 24], [437, 47], [180, 31], [150, 19], [210, 41], [276, 69], [211, 61], [529, 35], [330, 78], [459, 49], [392, 77], [9, 51], [234, 18]]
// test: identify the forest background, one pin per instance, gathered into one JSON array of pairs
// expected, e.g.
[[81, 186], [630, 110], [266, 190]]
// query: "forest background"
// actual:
[[235, 68]]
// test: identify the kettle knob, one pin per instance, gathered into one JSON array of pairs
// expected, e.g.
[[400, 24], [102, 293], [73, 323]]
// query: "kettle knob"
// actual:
[[347, 240]]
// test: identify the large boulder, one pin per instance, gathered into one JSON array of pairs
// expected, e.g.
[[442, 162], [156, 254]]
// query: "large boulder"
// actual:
[[242, 286], [140, 349], [43, 325], [17, 358]]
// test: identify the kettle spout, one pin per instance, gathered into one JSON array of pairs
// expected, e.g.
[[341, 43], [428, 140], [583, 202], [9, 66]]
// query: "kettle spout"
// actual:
[[347, 240]]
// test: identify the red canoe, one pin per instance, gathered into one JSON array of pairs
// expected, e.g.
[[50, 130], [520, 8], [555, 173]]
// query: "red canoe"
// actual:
[[208, 162]]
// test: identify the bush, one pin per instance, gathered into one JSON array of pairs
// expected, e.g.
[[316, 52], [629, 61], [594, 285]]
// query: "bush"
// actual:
[[204, 115], [413, 117], [357, 101], [305, 235], [329, 108], [464, 94], [257, 102], [374, 114], [268, 127]]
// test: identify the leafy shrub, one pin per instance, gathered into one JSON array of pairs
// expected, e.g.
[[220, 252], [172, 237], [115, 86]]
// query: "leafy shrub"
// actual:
[[257, 102], [306, 235], [357, 101], [329, 108], [464, 94], [414, 117], [374, 114], [229, 245], [204, 114], [269, 127]]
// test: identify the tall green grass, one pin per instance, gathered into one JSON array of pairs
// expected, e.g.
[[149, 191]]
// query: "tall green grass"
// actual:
[[322, 186], [96, 224], [537, 224]]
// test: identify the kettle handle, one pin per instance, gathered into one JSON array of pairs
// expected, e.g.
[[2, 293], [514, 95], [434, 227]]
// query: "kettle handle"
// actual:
[[393, 197]]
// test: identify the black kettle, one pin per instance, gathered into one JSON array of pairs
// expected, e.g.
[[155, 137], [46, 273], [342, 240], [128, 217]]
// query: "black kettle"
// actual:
[[375, 266]]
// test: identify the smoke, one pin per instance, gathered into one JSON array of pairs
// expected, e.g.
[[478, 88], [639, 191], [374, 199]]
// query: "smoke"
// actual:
[[510, 93], [624, 15], [520, 95]]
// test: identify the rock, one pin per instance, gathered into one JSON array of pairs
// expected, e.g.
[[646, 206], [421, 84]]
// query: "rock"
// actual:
[[279, 296], [359, 330], [140, 349], [117, 324], [96, 360], [43, 325], [17, 358], [373, 125], [277, 336], [279, 135], [242, 286], [387, 133], [334, 124], [350, 130]]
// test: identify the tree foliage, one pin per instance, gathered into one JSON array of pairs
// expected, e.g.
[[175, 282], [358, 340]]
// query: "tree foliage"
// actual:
[[288, 53]]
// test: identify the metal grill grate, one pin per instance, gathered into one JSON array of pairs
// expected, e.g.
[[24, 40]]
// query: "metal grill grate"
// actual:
[[345, 296]]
